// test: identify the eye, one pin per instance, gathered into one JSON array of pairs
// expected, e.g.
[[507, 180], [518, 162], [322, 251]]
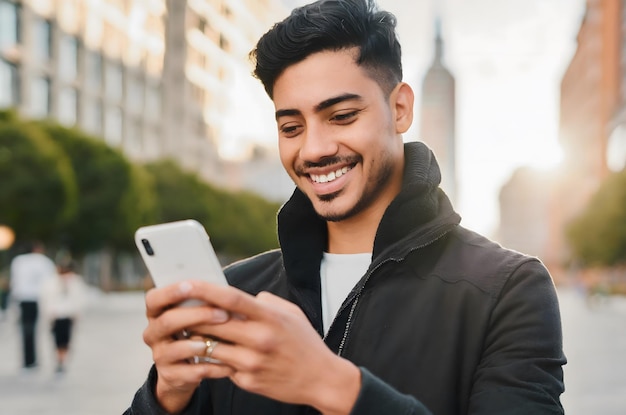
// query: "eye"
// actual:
[[290, 130], [344, 118]]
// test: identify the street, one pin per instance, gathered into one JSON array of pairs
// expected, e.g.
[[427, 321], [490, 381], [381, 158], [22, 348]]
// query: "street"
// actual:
[[109, 360]]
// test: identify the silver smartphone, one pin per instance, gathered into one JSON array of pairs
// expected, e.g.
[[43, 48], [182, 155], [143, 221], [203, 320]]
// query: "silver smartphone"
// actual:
[[178, 251]]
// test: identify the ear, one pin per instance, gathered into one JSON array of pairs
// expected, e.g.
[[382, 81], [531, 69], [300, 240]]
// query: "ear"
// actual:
[[401, 102]]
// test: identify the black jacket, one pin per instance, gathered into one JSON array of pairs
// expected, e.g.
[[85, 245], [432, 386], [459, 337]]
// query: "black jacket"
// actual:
[[443, 322]]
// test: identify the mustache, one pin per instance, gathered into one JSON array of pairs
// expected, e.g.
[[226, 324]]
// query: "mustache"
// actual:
[[327, 161]]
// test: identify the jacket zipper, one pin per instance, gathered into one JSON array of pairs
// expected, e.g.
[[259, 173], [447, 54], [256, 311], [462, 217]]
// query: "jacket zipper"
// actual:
[[346, 331]]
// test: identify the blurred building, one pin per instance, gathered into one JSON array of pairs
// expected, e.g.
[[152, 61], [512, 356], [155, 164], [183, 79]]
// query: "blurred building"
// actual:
[[536, 208], [150, 77], [438, 116], [590, 91], [524, 201], [616, 146], [262, 171]]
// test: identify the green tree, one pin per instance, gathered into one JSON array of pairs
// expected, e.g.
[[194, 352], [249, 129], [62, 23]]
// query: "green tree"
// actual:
[[180, 195], [115, 196], [239, 224], [138, 207], [598, 235], [38, 188], [247, 223]]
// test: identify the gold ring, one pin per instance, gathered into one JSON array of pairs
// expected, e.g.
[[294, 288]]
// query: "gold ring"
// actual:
[[211, 344]]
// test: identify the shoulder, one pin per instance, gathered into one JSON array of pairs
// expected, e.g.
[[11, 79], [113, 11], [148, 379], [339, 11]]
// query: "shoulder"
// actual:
[[255, 273], [482, 262], [42, 260]]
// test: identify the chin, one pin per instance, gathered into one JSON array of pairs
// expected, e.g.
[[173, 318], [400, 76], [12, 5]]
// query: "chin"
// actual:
[[332, 213]]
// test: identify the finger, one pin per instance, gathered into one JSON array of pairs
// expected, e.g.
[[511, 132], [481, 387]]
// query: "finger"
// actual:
[[177, 351], [227, 298], [273, 300], [176, 358], [236, 357], [190, 373], [173, 321], [246, 333], [160, 299]]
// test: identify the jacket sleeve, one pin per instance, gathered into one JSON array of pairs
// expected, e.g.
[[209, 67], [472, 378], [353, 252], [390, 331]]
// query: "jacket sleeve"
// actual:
[[521, 365], [520, 370], [377, 397], [145, 402]]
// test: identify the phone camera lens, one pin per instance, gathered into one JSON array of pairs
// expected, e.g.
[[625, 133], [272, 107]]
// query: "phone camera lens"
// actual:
[[147, 246]]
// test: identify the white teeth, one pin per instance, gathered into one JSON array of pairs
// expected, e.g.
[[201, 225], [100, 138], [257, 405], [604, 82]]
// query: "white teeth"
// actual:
[[325, 178]]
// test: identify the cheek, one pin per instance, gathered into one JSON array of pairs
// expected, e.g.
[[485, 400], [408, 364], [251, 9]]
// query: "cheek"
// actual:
[[287, 151]]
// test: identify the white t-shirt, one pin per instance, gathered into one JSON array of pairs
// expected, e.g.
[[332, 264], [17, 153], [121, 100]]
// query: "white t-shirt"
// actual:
[[339, 274], [28, 273]]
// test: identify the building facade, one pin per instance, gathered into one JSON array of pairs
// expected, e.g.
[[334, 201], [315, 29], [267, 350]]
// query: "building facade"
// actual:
[[616, 146], [150, 77], [91, 64], [590, 90]]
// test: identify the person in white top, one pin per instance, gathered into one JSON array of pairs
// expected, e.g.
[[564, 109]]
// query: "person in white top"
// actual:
[[28, 273], [62, 301]]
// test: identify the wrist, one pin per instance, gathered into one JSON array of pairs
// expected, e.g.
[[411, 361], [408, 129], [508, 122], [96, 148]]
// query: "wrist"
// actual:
[[172, 400], [340, 391]]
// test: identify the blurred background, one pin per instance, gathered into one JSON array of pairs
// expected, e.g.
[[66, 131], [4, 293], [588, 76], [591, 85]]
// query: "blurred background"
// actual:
[[119, 113]]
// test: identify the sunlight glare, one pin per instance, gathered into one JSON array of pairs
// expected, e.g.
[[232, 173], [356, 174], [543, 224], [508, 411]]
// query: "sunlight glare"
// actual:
[[545, 156]]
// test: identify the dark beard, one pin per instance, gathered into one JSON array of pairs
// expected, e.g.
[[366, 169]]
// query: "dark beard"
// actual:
[[364, 201]]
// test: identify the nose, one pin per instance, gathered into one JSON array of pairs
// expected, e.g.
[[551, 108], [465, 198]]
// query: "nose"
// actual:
[[318, 143]]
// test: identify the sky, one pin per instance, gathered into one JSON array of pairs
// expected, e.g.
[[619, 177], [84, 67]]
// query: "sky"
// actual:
[[508, 58]]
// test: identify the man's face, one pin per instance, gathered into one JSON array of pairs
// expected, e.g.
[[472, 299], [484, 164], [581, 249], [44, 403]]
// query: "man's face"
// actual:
[[339, 135]]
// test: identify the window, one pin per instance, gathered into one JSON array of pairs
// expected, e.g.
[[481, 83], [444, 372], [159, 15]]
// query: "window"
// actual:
[[9, 24], [40, 97], [68, 58], [9, 85], [134, 93], [224, 44], [113, 124], [42, 40], [92, 116], [113, 81], [198, 94], [68, 106], [153, 102], [93, 70]]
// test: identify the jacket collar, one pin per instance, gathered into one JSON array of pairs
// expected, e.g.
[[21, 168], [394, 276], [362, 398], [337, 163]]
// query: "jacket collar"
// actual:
[[420, 213]]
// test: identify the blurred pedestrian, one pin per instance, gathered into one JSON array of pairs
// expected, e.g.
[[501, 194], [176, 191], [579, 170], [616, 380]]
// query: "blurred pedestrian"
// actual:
[[28, 273], [62, 302], [4, 296]]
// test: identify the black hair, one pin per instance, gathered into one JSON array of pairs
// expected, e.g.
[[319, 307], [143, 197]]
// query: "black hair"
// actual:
[[332, 25]]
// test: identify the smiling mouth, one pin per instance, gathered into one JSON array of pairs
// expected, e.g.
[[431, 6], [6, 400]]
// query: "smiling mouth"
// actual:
[[333, 175]]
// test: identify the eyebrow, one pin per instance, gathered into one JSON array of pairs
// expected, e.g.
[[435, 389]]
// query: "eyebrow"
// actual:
[[321, 106]]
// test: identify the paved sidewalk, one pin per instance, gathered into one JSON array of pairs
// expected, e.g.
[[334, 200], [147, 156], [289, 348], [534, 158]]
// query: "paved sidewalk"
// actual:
[[110, 361], [594, 335]]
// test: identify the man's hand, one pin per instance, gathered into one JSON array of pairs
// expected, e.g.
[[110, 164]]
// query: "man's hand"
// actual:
[[177, 378], [272, 350]]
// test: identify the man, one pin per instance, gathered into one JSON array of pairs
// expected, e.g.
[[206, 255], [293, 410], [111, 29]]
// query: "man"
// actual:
[[29, 272], [378, 302]]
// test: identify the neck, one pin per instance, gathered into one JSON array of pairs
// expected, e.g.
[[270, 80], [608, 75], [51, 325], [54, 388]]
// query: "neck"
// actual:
[[355, 235]]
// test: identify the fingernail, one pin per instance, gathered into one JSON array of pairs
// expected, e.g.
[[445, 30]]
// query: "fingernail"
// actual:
[[220, 316], [184, 287]]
